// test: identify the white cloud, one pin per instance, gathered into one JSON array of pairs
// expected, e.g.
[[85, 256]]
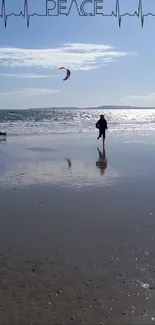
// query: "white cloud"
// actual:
[[87, 47], [74, 56], [24, 98], [28, 92], [139, 100], [27, 75]]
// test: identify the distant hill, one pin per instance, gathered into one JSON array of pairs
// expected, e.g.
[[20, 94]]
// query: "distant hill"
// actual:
[[105, 107], [85, 108]]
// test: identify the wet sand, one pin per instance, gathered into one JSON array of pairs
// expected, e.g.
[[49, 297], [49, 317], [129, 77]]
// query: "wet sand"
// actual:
[[82, 252]]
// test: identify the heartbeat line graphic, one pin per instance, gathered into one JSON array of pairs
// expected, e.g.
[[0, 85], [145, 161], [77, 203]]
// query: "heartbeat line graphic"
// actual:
[[116, 13]]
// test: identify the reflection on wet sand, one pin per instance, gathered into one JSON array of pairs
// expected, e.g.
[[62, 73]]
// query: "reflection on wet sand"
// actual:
[[101, 163], [69, 162], [73, 166], [3, 139]]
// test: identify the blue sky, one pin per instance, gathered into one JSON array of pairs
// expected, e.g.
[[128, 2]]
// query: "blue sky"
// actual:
[[109, 65]]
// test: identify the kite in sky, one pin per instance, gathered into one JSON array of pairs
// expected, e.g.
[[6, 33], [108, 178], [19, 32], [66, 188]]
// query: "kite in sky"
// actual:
[[68, 73]]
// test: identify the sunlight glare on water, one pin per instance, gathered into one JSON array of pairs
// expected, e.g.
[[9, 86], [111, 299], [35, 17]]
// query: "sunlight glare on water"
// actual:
[[47, 121]]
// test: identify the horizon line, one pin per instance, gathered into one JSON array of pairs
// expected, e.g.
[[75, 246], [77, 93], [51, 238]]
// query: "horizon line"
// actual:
[[86, 108]]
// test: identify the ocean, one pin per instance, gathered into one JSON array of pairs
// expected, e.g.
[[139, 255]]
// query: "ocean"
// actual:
[[48, 121]]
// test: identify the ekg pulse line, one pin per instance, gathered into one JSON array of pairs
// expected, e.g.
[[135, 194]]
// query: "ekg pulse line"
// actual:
[[116, 13]]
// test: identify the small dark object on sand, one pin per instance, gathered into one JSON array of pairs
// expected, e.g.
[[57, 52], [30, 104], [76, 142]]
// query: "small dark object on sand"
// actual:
[[3, 133], [124, 314], [59, 292]]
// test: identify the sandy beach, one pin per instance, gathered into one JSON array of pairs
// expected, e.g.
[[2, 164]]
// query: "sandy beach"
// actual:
[[77, 241]]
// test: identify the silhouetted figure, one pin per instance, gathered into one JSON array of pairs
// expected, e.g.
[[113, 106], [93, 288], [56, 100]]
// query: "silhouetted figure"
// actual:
[[4, 136], [69, 162], [102, 161], [3, 133], [102, 126]]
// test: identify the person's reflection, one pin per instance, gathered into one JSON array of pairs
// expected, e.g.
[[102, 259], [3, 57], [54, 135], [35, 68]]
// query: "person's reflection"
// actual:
[[101, 163], [69, 163], [3, 139]]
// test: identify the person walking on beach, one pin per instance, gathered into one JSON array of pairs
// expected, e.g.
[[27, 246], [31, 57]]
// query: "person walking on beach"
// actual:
[[102, 126]]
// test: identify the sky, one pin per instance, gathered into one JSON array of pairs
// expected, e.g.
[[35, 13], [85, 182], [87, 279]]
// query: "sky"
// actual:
[[110, 65]]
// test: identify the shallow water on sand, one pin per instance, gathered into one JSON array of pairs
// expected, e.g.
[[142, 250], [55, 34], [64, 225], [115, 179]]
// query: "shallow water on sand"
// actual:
[[74, 160], [83, 256]]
